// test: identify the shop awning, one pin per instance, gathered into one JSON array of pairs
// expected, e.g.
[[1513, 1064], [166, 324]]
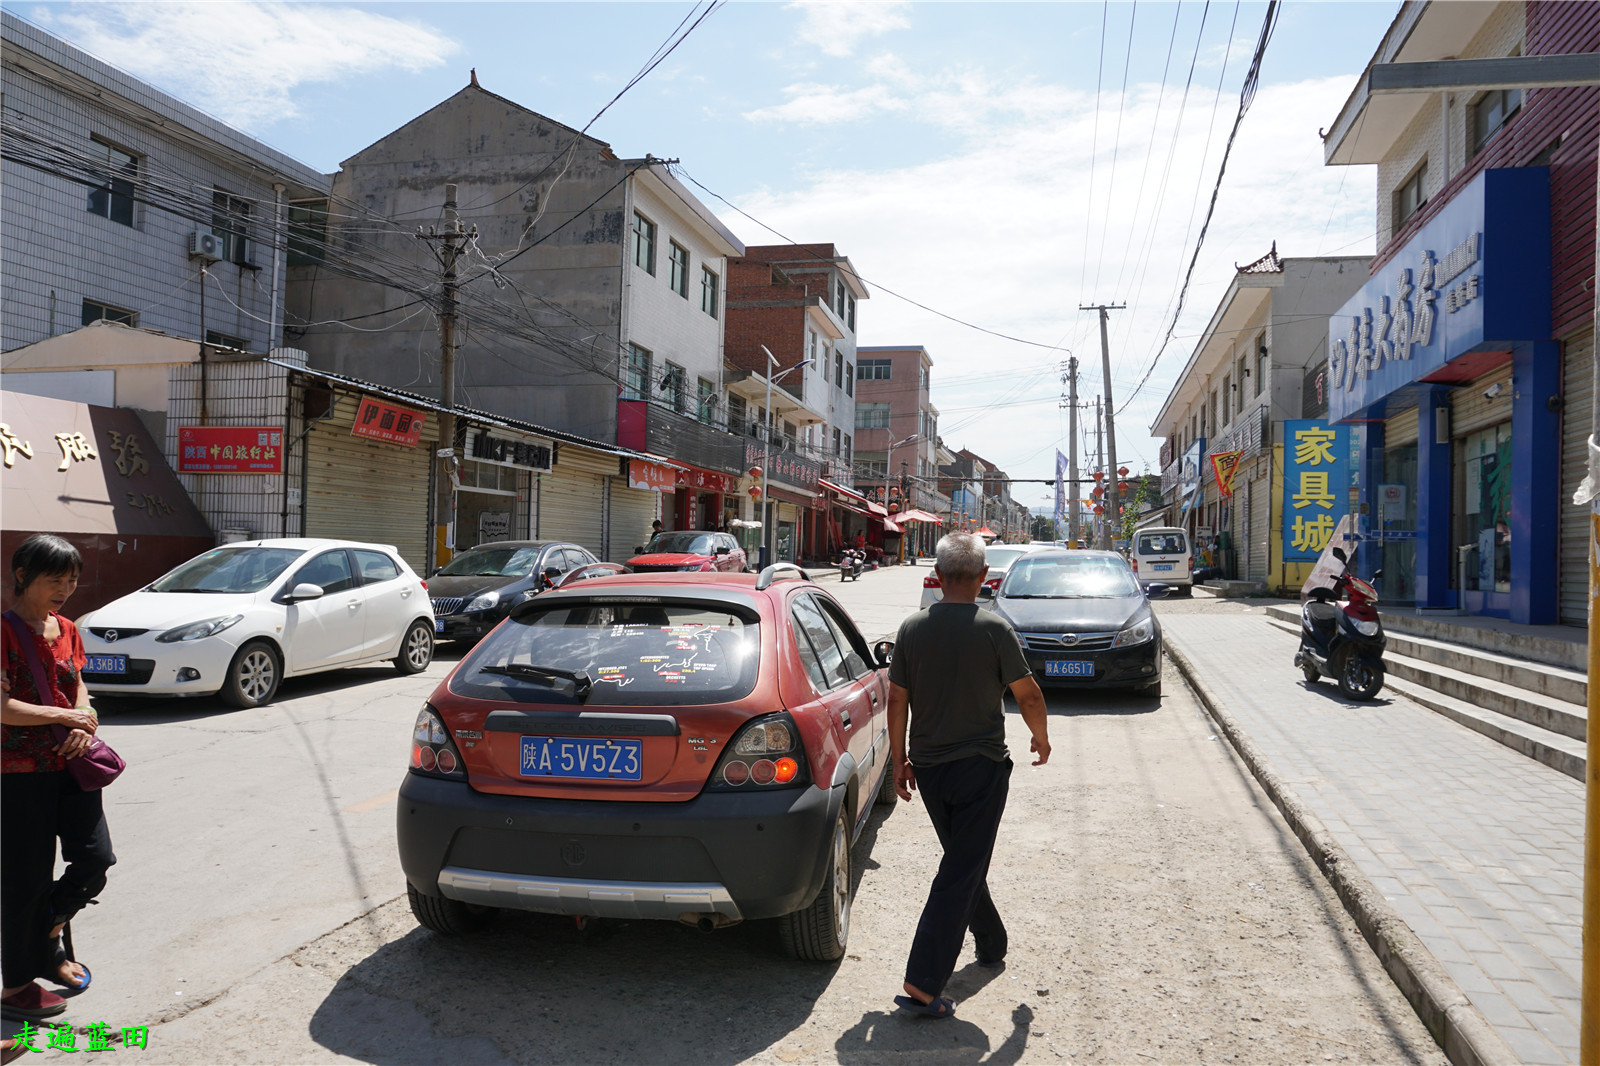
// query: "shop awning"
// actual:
[[918, 516], [854, 510], [872, 508], [890, 526]]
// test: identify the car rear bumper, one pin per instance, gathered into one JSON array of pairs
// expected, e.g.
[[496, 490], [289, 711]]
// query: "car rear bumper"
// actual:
[[755, 855], [1116, 668]]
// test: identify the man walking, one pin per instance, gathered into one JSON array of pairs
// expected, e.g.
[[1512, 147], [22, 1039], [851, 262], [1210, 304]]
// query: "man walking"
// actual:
[[951, 668]]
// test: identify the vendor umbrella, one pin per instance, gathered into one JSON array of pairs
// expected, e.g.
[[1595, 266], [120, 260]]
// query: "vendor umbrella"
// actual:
[[987, 532], [918, 516]]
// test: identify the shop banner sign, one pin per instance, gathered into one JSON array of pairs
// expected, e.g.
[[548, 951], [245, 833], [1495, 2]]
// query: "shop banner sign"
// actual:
[[709, 480], [785, 466], [652, 477], [526, 454], [230, 450], [1224, 465], [1316, 485], [1193, 465], [1475, 278], [387, 422]]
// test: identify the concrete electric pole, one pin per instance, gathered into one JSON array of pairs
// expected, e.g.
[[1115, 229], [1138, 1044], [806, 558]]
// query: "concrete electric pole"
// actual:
[[452, 240], [1113, 496], [1072, 449]]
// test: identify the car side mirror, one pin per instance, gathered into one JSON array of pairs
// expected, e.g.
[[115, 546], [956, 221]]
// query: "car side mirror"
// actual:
[[883, 652], [1157, 591], [550, 575], [305, 591], [724, 550], [638, 549], [985, 593]]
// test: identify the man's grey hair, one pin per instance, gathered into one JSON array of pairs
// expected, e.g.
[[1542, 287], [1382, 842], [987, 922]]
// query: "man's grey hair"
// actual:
[[959, 556]]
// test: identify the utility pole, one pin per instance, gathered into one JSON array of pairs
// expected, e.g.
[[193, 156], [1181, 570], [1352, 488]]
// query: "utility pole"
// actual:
[[1072, 449], [1114, 506], [1099, 444], [452, 240]]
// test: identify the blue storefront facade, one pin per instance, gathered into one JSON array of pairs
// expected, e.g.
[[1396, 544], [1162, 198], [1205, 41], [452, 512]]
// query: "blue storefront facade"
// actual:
[[1445, 368]]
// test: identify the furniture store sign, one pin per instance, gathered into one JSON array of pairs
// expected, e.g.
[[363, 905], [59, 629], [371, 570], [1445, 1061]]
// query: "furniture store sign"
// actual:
[[1316, 485], [1475, 278]]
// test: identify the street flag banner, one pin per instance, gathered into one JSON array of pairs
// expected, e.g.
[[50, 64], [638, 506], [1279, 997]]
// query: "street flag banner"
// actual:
[[1061, 486], [1316, 486], [1224, 465]]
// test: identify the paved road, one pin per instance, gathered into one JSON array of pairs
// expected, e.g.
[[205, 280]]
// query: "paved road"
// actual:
[[1160, 911]]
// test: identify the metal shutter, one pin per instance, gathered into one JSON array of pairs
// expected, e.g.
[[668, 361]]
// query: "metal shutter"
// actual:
[[1401, 430], [1471, 411], [1260, 514], [361, 489], [1577, 417], [572, 507], [632, 511]]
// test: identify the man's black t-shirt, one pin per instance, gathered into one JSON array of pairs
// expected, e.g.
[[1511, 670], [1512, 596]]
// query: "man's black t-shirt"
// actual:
[[957, 661]]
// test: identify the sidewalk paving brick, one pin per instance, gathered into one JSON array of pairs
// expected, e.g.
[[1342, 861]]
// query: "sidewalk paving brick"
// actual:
[[1477, 847]]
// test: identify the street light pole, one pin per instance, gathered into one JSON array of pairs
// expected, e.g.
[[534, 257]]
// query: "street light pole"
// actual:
[[769, 513]]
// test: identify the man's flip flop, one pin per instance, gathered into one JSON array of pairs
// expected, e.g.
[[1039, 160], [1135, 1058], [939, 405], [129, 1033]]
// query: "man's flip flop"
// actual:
[[939, 1008]]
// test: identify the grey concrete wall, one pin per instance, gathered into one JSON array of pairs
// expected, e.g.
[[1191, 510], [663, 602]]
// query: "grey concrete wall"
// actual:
[[1313, 289], [544, 348]]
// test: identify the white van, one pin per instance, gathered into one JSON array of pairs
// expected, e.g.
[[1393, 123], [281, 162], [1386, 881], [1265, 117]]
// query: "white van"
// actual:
[[1161, 553]]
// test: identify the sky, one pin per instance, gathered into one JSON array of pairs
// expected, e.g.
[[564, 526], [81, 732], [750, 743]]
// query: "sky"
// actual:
[[998, 163]]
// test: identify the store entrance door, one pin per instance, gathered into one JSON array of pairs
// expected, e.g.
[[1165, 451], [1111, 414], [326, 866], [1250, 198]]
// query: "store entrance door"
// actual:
[[1397, 518]]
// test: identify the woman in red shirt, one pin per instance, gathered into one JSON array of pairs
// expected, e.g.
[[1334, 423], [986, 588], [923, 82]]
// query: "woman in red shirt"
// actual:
[[39, 800]]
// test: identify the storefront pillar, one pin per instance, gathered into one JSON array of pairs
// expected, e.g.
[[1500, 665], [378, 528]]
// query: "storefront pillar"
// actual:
[[1535, 482], [1369, 474], [1435, 557]]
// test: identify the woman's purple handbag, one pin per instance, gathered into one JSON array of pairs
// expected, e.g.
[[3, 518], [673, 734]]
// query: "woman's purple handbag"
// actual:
[[95, 768]]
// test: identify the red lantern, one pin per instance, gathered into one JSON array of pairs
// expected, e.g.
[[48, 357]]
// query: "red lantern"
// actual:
[[1122, 471], [1098, 474], [1099, 490], [1123, 486], [1098, 509], [755, 492], [755, 471]]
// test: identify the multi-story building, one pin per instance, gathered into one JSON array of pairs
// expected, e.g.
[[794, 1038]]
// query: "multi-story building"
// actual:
[[897, 431], [1252, 369], [1463, 367]]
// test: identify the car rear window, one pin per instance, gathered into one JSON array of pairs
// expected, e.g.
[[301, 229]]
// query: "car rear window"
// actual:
[[645, 653], [1162, 544]]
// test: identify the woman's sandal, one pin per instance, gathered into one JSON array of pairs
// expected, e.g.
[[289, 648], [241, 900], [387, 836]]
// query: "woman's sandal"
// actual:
[[64, 955]]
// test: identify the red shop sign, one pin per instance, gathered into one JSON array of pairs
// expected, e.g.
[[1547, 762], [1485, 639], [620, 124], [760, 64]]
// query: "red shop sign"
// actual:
[[387, 422], [230, 450], [643, 474], [696, 478]]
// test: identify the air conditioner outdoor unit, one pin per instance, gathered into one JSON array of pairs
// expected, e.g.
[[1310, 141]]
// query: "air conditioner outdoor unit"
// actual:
[[204, 244]]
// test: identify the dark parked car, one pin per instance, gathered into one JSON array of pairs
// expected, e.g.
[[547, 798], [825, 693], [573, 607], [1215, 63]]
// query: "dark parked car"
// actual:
[[1083, 620], [474, 592], [702, 748], [690, 550]]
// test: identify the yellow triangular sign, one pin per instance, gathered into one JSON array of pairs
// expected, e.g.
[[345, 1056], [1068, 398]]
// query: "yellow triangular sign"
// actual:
[[1225, 465]]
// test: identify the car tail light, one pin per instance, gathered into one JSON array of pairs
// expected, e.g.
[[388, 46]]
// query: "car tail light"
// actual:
[[433, 753], [994, 582], [424, 586], [930, 582], [766, 753], [1136, 566]]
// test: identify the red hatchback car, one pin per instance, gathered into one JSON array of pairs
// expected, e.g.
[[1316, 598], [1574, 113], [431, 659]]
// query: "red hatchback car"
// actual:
[[703, 748], [689, 550]]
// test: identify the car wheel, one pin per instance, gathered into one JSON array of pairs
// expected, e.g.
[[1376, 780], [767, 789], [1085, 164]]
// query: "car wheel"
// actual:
[[416, 650], [253, 675], [1152, 691], [886, 793], [818, 933], [447, 917]]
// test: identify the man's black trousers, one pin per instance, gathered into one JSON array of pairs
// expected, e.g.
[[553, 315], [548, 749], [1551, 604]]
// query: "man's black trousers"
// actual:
[[965, 800]]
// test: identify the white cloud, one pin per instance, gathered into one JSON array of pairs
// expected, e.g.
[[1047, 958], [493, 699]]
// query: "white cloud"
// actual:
[[242, 60], [997, 234], [818, 105], [836, 26]]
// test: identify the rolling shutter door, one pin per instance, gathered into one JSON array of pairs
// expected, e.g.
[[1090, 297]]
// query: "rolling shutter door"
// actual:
[[1577, 416], [572, 508], [367, 490], [1260, 511], [1400, 430], [1471, 411], [632, 511]]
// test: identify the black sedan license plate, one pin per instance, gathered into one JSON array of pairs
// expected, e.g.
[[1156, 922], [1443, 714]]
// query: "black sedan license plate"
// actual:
[[106, 664], [583, 758], [1068, 668]]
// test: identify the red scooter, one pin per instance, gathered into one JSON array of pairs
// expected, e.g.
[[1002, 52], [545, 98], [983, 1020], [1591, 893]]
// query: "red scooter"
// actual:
[[1343, 642]]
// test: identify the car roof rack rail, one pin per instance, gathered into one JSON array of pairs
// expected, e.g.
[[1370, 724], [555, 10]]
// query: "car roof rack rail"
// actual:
[[780, 572]]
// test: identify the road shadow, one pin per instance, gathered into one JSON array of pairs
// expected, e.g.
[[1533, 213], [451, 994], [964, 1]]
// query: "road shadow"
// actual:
[[1089, 703], [162, 710], [901, 1037], [1330, 691], [540, 989]]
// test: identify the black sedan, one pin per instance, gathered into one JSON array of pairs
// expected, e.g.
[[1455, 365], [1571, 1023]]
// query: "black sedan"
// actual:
[[1083, 620], [474, 592]]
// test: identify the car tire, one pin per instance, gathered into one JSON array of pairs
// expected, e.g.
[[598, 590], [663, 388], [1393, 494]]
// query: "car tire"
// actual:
[[818, 933], [887, 796], [416, 648], [253, 675], [447, 917], [1152, 691]]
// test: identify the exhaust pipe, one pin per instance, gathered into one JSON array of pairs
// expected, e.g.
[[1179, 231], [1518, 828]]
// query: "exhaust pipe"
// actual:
[[707, 923]]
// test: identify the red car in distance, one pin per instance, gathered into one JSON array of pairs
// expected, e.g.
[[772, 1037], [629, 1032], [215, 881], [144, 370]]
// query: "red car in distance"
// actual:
[[702, 748], [689, 550]]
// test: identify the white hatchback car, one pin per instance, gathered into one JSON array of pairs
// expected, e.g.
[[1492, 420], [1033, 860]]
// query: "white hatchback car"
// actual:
[[238, 619], [998, 556]]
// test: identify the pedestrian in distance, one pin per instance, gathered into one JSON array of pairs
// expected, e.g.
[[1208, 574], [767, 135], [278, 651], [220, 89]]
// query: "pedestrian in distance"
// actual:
[[39, 799], [953, 664]]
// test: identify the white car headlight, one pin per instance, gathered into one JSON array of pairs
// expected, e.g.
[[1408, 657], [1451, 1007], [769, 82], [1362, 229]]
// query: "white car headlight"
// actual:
[[1138, 633], [198, 630], [484, 602], [1367, 629]]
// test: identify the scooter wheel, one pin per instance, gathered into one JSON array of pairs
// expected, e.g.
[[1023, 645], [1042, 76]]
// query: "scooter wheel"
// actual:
[[1309, 669], [1360, 677]]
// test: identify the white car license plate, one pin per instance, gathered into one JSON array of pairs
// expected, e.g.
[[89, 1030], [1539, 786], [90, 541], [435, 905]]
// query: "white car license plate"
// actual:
[[1162, 566], [106, 664], [1068, 668], [438, 625]]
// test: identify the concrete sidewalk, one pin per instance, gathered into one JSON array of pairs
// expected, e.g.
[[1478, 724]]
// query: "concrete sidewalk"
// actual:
[[1477, 849]]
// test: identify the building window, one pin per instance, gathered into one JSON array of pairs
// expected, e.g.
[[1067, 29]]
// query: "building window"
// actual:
[[308, 232], [95, 312], [738, 420], [672, 381], [1411, 195], [1491, 113], [837, 447], [1227, 398], [850, 314], [789, 439], [838, 299], [922, 378], [230, 220], [644, 243], [636, 373], [1261, 363], [838, 370], [678, 268], [708, 292], [848, 449], [849, 379], [226, 340], [706, 401], [874, 370], [872, 416], [114, 199]]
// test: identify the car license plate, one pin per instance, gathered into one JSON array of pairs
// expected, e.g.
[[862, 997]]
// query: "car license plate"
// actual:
[[1068, 668], [1162, 566], [585, 758], [438, 625], [106, 664]]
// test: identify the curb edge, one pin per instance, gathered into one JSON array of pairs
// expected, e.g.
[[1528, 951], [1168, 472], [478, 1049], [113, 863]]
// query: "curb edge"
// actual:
[[1460, 1028]]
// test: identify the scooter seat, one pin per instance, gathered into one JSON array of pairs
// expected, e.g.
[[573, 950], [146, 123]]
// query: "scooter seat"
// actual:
[[1321, 611]]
